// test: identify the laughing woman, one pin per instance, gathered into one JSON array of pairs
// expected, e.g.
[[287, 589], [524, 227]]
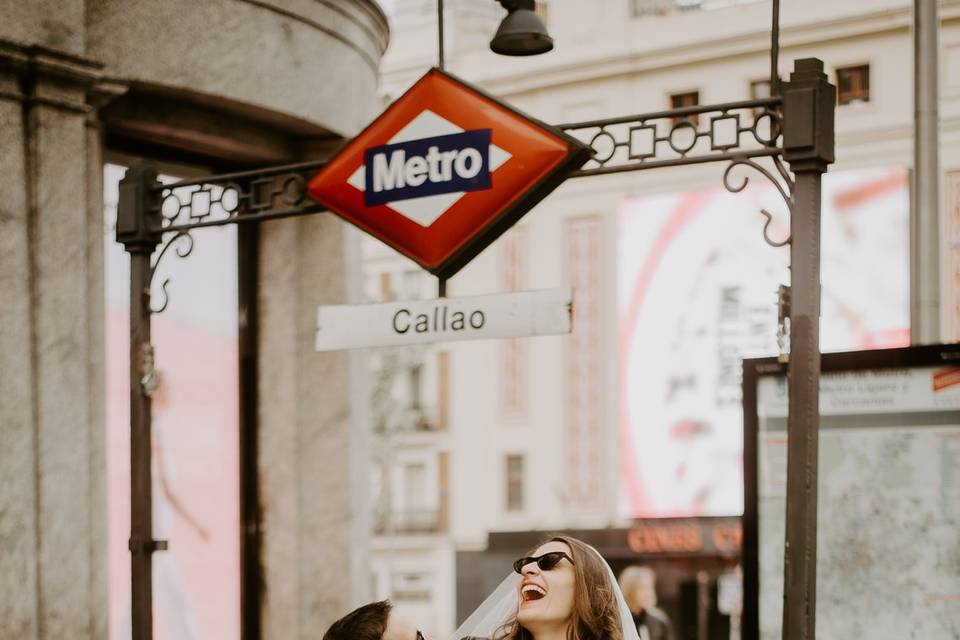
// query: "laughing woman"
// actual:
[[564, 590]]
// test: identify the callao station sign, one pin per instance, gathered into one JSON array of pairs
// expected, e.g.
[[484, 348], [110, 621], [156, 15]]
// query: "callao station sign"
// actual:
[[440, 175]]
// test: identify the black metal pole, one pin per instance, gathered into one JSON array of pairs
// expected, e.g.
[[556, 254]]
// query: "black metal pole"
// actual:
[[440, 60], [251, 575], [808, 146], [133, 231], [141, 500], [800, 552], [775, 50], [925, 213]]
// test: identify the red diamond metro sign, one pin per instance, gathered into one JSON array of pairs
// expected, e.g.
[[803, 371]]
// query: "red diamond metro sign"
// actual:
[[444, 171]]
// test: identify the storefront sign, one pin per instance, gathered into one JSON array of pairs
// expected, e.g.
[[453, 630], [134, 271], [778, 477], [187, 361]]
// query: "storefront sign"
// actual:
[[687, 535]]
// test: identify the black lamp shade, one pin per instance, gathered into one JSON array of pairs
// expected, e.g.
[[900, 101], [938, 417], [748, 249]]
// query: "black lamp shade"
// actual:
[[522, 33]]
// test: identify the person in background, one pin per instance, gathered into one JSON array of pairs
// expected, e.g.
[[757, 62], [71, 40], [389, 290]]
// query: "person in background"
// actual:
[[374, 621], [639, 588]]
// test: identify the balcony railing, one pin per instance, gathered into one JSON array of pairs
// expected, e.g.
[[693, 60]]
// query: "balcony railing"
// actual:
[[408, 421], [409, 522]]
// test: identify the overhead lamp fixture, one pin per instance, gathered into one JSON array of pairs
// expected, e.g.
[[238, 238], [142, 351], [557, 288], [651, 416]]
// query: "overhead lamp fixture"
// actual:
[[522, 32]]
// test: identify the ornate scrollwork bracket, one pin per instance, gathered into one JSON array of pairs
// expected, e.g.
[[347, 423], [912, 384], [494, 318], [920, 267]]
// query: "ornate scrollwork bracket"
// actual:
[[182, 207], [784, 188], [183, 243], [738, 133]]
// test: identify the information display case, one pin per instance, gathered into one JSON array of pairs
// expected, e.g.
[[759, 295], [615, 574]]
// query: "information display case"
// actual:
[[888, 512]]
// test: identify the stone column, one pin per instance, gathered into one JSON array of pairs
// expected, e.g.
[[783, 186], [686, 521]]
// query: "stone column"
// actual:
[[316, 519], [52, 514]]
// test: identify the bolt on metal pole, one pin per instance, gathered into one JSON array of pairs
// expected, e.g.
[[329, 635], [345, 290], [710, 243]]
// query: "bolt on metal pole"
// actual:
[[808, 140], [925, 212], [140, 242]]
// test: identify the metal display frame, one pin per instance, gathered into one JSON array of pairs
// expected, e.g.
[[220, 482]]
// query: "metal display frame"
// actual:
[[753, 370], [797, 140]]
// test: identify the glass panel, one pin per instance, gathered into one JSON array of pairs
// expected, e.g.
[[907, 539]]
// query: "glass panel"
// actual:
[[195, 437], [888, 502]]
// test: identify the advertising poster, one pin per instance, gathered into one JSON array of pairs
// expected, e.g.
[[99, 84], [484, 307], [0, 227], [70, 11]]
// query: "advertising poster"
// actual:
[[697, 293]]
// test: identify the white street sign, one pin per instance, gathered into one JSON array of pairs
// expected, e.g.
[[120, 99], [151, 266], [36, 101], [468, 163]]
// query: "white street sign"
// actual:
[[502, 315]]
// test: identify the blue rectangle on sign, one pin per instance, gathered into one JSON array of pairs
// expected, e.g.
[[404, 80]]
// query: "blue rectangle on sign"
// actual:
[[427, 167]]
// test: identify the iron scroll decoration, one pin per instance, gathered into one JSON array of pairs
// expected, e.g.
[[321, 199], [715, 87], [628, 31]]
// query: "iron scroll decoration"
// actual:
[[738, 133], [184, 206]]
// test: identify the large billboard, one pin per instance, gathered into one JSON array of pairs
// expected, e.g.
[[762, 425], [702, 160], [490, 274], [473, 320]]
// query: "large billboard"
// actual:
[[697, 291]]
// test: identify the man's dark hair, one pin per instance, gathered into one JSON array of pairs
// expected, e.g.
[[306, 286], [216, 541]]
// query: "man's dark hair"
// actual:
[[369, 622]]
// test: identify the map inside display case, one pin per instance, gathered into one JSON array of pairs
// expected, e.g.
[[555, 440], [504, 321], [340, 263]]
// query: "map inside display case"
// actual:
[[888, 540]]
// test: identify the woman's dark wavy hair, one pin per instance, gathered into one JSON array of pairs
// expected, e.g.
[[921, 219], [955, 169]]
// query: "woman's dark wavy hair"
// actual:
[[596, 615]]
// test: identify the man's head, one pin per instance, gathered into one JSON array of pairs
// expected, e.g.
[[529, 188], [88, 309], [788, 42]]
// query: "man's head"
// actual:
[[374, 621]]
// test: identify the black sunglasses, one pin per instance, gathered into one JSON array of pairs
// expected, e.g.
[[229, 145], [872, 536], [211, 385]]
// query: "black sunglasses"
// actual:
[[546, 562]]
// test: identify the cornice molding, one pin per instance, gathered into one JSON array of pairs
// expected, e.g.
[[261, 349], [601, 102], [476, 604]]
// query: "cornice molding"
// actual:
[[48, 63], [52, 78], [741, 45], [378, 33]]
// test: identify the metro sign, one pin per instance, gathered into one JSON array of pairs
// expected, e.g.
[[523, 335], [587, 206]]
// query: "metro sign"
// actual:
[[444, 171]]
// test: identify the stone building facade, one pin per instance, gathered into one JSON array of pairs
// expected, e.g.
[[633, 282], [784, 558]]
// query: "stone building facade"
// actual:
[[219, 86], [539, 420]]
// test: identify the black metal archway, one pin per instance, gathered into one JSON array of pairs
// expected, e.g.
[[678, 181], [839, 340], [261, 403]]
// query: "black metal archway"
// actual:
[[793, 130]]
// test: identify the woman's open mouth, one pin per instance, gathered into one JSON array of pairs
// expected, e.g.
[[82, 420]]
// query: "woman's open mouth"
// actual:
[[532, 592]]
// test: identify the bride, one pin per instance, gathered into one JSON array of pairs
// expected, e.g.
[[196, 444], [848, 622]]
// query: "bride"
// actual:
[[563, 590]]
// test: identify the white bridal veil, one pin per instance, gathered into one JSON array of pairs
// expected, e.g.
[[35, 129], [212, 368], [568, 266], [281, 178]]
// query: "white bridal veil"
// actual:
[[501, 605]]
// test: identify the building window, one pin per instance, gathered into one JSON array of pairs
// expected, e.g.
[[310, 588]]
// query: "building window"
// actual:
[[415, 378], [543, 10], [443, 390], [415, 486], [514, 483], [409, 585], [687, 99], [853, 84], [386, 288], [759, 89], [415, 285]]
